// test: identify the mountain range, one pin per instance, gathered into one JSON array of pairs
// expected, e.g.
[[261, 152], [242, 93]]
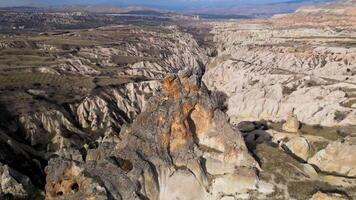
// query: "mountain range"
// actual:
[[207, 9]]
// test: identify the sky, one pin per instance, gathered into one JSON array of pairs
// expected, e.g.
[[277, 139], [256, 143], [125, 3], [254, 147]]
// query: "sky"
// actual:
[[168, 4]]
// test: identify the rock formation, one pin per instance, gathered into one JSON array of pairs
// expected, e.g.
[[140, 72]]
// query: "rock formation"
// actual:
[[300, 147], [14, 184], [299, 61], [325, 196], [296, 73], [41, 122], [269, 115], [180, 147], [337, 158]]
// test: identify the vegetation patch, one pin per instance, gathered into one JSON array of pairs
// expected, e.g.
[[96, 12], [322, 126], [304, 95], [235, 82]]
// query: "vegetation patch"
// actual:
[[330, 133], [340, 115]]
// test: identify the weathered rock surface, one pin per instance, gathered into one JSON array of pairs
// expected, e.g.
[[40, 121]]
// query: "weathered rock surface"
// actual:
[[246, 126], [181, 147], [20, 167], [134, 67], [107, 110], [338, 157], [48, 129], [268, 68], [124, 69], [291, 125], [137, 138], [256, 137], [286, 69], [327, 196], [153, 54], [300, 147], [14, 184]]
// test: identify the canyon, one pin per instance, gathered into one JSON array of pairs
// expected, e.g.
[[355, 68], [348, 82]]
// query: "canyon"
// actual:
[[188, 109]]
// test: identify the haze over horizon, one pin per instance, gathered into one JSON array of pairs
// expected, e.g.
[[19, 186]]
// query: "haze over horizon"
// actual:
[[170, 4]]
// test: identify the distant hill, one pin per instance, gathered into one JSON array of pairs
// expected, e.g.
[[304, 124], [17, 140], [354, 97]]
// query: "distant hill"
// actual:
[[111, 9], [237, 10], [90, 9], [260, 10]]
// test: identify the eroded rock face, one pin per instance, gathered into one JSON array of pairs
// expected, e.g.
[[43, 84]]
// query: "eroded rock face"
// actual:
[[291, 125], [14, 184], [42, 121], [50, 128], [327, 196], [132, 70], [132, 141], [152, 54], [285, 69], [66, 180], [268, 68], [107, 110], [300, 147], [246, 126], [180, 143], [338, 157]]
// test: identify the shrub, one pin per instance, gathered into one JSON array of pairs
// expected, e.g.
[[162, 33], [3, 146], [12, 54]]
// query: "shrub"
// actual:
[[220, 99]]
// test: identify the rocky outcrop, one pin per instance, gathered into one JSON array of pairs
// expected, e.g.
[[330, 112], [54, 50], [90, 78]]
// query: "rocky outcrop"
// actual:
[[70, 182], [135, 69], [14, 184], [337, 158], [291, 125], [118, 70], [146, 53], [269, 68], [107, 110], [246, 126], [129, 135], [52, 129], [327, 196], [295, 72], [103, 112], [180, 143], [299, 146]]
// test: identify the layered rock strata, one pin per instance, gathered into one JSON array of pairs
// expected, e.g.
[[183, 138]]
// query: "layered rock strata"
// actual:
[[180, 147]]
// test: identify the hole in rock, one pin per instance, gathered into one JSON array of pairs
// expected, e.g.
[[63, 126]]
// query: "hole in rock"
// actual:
[[74, 187]]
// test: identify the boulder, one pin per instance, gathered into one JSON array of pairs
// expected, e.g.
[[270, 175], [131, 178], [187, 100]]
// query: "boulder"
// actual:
[[310, 171], [292, 124], [257, 137], [246, 126], [261, 125], [299, 146], [327, 196], [180, 147], [338, 157]]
